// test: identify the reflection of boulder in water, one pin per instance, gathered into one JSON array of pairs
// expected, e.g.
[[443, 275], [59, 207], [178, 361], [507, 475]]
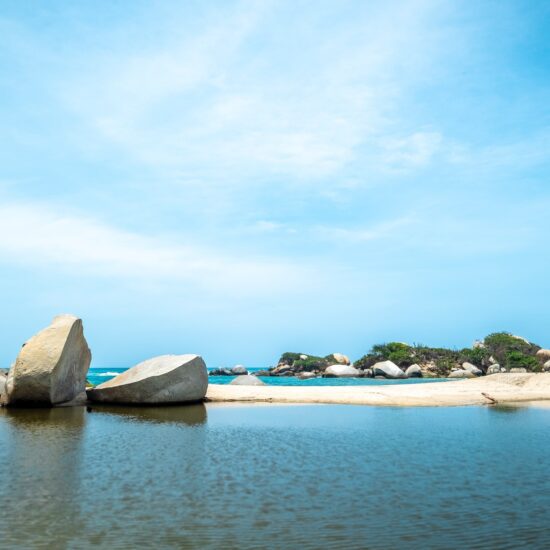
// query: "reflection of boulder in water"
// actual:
[[44, 450], [45, 419], [191, 415]]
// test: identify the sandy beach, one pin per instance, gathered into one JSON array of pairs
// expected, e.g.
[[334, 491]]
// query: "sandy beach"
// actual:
[[502, 388]]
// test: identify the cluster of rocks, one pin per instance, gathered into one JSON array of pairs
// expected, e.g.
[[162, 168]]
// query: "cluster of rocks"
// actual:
[[51, 369], [237, 370]]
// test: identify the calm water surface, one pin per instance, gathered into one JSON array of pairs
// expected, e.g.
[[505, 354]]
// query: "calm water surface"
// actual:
[[275, 476]]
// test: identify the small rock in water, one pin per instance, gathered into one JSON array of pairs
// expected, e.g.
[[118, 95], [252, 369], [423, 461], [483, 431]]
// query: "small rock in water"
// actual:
[[340, 371], [247, 380], [306, 375], [239, 369]]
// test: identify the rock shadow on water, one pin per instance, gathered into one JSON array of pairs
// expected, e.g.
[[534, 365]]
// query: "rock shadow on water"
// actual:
[[191, 415]]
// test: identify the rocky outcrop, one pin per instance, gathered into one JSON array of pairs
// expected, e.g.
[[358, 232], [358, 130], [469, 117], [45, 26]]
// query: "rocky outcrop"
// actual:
[[341, 359], [220, 372], [247, 380], [388, 369], [340, 371], [414, 371], [472, 368], [164, 379], [461, 373], [51, 367], [543, 354], [238, 370]]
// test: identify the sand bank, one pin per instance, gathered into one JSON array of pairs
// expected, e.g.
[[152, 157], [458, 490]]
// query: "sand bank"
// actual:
[[503, 388]]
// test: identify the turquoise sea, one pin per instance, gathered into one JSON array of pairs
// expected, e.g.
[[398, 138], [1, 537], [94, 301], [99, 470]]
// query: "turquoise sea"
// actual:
[[100, 375]]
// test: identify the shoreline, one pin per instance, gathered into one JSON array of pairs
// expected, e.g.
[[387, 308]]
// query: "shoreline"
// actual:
[[499, 388]]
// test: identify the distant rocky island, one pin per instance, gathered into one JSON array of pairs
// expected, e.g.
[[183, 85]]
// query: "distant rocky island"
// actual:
[[496, 353]]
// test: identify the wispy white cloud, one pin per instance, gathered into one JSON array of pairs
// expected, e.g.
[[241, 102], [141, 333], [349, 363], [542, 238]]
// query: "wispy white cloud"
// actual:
[[191, 103], [42, 237]]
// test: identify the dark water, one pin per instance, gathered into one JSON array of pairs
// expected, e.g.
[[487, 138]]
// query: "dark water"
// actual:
[[275, 477], [99, 375]]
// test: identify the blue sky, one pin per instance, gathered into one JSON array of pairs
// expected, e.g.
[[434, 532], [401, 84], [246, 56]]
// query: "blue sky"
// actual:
[[239, 179]]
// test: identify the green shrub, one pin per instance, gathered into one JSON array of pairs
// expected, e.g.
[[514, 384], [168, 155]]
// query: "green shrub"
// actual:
[[518, 360]]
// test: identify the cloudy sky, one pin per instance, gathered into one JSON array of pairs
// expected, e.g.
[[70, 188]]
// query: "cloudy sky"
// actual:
[[239, 179]]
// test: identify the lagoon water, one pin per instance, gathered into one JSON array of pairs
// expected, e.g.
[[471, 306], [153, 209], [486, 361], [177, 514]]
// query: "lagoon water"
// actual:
[[261, 476]]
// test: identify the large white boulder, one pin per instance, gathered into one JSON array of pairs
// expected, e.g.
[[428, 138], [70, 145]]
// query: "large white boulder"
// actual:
[[341, 371], [472, 368], [341, 359], [414, 371], [163, 379], [543, 354], [546, 366], [247, 380], [51, 367], [388, 369]]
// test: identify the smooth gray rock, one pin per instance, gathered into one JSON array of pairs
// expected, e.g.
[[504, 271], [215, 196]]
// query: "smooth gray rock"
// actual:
[[461, 373], [472, 368], [341, 371], [306, 375], [238, 370], [51, 367], [414, 371], [163, 379], [368, 373], [388, 369], [546, 366], [543, 354], [246, 380]]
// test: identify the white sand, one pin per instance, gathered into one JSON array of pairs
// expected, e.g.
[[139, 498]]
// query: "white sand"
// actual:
[[504, 388]]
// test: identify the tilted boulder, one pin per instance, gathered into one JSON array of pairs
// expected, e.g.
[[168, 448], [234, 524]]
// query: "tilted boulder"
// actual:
[[247, 380], [51, 367], [340, 371], [163, 379], [388, 369], [414, 371]]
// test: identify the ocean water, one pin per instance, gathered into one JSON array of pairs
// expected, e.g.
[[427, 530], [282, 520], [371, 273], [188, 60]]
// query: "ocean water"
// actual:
[[100, 375], [259, 476]]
